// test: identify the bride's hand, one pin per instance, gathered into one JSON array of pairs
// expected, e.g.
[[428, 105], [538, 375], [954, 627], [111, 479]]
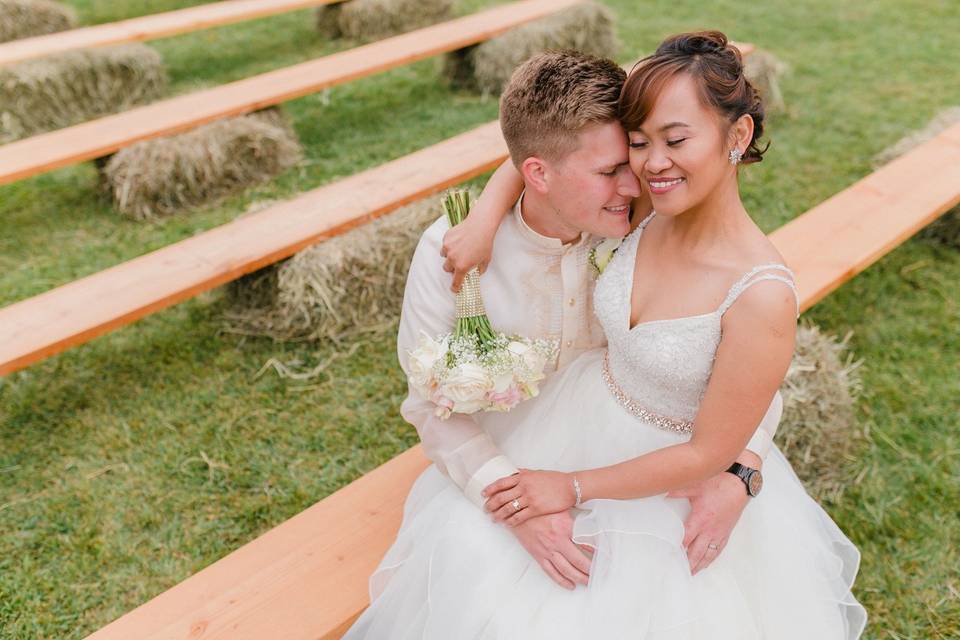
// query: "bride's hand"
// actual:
[[536, 492], [466, 246]]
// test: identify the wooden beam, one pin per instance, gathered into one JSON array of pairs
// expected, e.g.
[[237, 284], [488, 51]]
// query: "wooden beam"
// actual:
[[845, 234], [63, 317], [159, 25], [106, 135], [305, 579]]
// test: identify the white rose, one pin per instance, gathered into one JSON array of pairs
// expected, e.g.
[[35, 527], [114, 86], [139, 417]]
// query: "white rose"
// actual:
[[532, 358], [467, 386], [422, 359], [518, 348], [502, 382], [536, 361]]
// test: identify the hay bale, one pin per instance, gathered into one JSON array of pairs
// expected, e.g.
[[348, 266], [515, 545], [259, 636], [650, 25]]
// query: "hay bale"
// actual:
[[327, 18], [376, 19], [941, 122], [945, 229], [58, 91], [163, 176], [347, 285], [587, 27], [764, 71], [818, 432], [27, 18]]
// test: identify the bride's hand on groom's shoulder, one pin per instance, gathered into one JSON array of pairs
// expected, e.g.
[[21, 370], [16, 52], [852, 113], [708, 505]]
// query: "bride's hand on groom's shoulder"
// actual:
[[515, 499], [465, 246]]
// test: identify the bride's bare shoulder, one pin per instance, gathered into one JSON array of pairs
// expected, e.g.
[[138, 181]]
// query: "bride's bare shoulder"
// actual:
[[756, 248]]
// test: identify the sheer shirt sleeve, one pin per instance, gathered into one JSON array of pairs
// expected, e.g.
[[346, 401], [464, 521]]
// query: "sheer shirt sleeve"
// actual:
[[458, 446]]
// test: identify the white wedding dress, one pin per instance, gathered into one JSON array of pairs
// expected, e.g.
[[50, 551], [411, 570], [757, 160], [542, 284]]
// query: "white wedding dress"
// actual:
[[454, 574]]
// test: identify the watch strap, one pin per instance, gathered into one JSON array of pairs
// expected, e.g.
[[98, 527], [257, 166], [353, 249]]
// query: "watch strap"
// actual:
[[743, 472]]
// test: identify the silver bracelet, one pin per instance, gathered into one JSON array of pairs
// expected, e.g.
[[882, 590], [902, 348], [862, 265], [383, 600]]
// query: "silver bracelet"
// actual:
[[576, 487]]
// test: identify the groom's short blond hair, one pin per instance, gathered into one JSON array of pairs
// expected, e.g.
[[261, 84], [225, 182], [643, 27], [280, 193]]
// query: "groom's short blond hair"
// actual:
[[551, 97]]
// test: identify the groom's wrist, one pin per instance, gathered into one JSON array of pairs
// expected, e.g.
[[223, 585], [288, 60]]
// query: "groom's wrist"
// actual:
[[491, 471]]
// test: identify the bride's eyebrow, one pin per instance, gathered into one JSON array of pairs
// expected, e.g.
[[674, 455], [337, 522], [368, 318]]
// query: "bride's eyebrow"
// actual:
[[673, 125]]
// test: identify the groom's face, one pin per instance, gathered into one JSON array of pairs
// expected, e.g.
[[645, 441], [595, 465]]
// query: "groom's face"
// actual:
[[592, 187]]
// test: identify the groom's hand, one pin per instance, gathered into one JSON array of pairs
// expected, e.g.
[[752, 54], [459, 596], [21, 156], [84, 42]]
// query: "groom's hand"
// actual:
[[549, 540], [715, 507]]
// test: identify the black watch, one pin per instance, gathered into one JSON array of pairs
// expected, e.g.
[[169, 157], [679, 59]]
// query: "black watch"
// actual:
[[752, 478]]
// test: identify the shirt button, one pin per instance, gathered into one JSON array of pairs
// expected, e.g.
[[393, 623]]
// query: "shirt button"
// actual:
[[572, 301], [569, 343]]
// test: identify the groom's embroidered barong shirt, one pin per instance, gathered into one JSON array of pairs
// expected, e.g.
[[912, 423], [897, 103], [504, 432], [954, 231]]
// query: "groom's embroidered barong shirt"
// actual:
[[534, 286]]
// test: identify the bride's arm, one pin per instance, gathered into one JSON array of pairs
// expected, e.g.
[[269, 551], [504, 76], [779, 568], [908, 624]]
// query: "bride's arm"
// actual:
[[751, 362], [470, 243]]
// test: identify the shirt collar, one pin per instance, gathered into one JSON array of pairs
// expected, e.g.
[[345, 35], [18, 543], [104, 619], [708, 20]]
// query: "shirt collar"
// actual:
[[555, 245]]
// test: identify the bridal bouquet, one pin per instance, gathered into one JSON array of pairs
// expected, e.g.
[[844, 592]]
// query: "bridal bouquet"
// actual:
[[475, 368]]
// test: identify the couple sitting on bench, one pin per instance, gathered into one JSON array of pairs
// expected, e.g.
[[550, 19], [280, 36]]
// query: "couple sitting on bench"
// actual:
[[640, 494]]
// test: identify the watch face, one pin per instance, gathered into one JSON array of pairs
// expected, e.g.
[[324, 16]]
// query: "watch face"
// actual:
[[755, 483]]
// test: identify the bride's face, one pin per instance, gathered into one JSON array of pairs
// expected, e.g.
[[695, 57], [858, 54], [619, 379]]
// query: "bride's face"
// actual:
[[591, 188], [680, 151]]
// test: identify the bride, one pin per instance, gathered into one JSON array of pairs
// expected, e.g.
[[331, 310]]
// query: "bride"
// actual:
[[699, 314]]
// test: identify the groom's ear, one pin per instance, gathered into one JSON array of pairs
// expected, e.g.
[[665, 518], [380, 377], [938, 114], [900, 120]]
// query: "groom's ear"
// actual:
[[534, 172]]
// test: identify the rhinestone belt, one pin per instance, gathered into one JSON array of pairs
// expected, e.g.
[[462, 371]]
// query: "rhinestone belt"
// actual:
[[631, 405]]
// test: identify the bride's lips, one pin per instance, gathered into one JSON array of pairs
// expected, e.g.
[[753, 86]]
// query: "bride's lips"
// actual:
[[661, 185]]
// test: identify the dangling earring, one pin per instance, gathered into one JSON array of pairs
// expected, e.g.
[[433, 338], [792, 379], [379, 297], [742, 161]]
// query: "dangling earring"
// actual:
[[735, 156]]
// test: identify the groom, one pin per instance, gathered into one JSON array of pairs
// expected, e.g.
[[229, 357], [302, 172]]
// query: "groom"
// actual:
[[559, 118]]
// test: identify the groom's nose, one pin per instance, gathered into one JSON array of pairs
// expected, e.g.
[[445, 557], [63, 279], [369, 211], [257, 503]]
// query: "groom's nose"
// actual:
[[628, 183]]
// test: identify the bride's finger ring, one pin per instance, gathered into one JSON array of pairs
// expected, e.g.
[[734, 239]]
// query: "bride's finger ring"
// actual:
[[516, 504], [713, 546]]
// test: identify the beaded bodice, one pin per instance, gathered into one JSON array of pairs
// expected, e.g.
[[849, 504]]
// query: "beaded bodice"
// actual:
[[662, 367]]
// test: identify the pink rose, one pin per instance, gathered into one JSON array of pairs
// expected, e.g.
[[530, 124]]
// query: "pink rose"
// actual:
[[444, 405], [507, 399]]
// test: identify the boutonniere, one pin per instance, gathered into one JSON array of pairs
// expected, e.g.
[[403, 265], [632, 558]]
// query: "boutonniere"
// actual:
[[601, 254]]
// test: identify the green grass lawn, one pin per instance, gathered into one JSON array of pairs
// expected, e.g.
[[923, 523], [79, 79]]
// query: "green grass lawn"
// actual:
[[130, 463]]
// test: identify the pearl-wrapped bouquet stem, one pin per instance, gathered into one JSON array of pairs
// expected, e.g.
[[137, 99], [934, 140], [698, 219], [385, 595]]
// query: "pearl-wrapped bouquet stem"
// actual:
[[475, 368]]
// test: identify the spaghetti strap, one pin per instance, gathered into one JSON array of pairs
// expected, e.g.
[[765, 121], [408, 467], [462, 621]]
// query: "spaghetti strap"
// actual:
[[646, 221], [751, 277]]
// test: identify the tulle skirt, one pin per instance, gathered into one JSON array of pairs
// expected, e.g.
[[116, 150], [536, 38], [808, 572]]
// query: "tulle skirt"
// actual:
[[453, 574]]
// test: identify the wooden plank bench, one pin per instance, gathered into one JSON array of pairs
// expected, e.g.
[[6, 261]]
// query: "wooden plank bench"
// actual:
[[106, 135], [151, 27], [63, 317], [307, 577], [845, 234]]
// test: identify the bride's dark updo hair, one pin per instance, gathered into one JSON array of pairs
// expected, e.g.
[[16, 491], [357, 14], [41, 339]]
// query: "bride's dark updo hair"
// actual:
[[716, 67]]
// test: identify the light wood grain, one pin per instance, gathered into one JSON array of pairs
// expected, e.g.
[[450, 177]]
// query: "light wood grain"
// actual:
[[842, 236], [53, 321], [305, 579]]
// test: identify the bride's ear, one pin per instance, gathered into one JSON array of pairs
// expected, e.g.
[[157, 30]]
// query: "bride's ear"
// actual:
[[534, 172], [741, 132]]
